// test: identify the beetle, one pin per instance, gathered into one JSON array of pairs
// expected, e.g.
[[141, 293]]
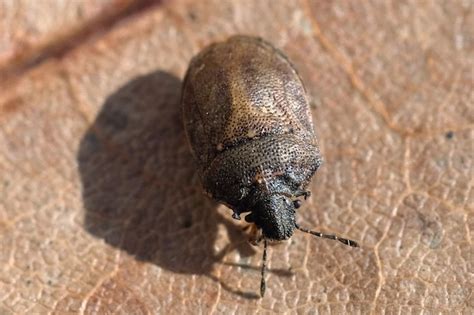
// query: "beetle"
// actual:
[[249, 126]]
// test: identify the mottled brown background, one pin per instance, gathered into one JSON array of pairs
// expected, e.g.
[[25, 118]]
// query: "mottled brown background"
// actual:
[[100, 207]]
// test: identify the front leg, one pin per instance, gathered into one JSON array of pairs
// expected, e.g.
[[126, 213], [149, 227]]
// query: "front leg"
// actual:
[[302, 192], [297, 193], [255, 234], [236, 215]]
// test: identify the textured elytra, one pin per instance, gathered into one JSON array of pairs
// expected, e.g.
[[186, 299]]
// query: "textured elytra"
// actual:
[[250, 128], [241, 89]]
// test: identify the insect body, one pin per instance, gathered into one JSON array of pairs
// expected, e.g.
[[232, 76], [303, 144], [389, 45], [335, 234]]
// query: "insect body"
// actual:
[[249, 125]]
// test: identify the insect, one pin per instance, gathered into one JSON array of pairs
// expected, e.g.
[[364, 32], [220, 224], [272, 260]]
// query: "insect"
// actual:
[[249, 126]]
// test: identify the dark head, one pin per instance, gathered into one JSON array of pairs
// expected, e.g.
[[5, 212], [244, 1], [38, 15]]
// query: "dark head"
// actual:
[[275, 215]]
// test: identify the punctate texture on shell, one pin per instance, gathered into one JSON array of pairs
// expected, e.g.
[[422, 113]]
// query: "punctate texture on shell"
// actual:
[[247, 119]]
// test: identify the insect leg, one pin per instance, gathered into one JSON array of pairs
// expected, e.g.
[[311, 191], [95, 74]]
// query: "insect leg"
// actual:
[[255, 234], [344, 241], [305, 193]]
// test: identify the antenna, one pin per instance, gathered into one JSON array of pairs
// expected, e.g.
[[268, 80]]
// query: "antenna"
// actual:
[[344, 241], [264, 267]]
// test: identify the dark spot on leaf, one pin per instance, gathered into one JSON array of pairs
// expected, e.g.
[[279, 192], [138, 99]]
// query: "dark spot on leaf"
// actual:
[[192, 16], [449, 135]]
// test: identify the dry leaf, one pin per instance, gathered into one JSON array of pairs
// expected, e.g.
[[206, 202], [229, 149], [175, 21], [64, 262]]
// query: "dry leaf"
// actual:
[[100, 207]]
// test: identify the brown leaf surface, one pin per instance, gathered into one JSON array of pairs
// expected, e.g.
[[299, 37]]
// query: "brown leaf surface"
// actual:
[[101, 210], [26, 23]]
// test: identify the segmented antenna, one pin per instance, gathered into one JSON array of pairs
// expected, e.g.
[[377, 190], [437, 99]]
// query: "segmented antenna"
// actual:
[[264, 267], [344, 241]]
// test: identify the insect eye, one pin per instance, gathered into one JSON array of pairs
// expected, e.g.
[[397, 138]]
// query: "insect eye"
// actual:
[[297, 203]]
